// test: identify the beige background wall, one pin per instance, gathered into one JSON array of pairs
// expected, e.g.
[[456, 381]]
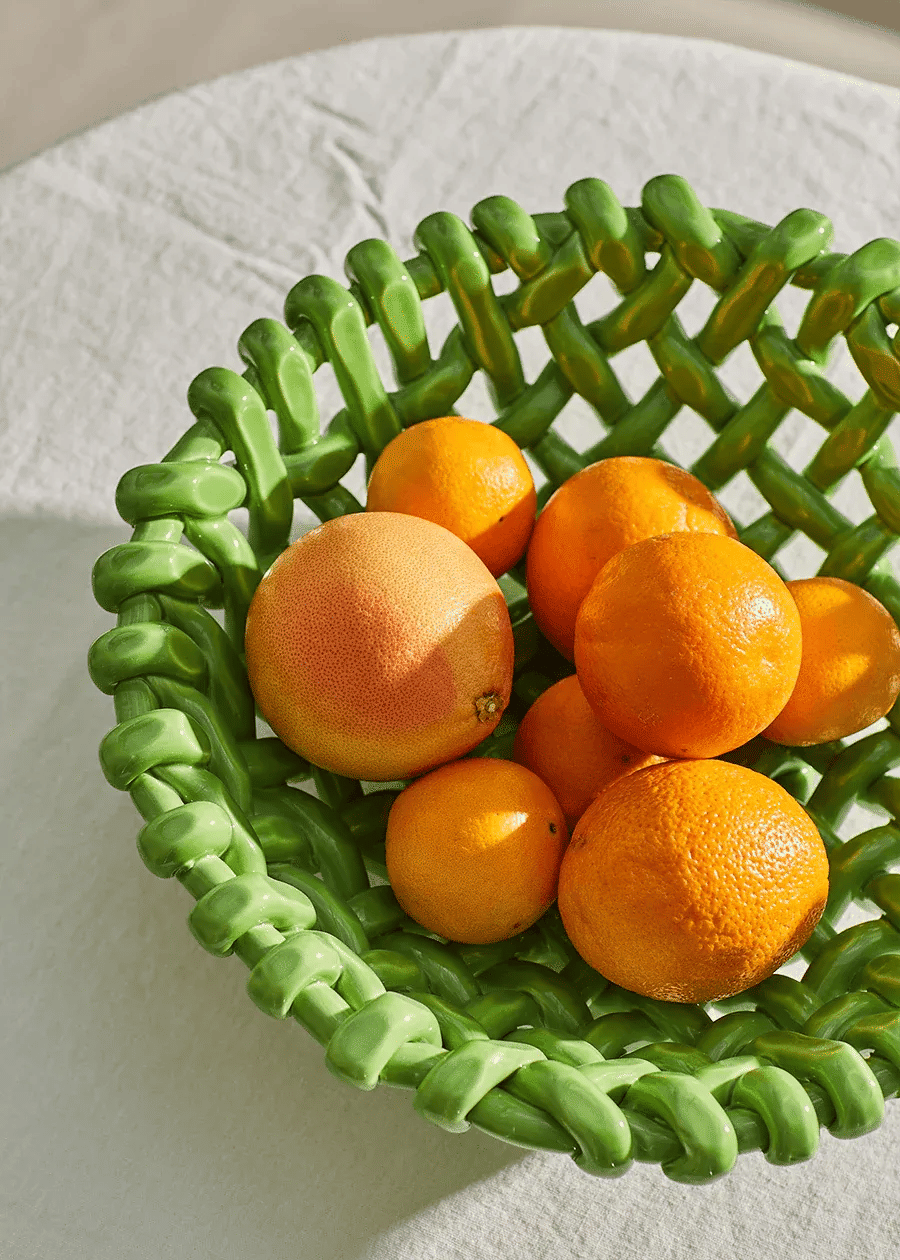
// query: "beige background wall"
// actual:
[[67, 64]]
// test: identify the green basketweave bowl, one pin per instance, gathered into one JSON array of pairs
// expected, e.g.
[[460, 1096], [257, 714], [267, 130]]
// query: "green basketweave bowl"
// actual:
[[521, 1039]]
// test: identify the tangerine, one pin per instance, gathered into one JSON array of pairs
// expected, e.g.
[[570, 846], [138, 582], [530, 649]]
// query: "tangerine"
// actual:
[[597, 513], [690, 881], [466, 475], [850, 669], [563, 741], [688, 645], [473, 849]]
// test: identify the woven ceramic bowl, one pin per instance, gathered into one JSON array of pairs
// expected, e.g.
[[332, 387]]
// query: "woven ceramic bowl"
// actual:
[[521, 1039]]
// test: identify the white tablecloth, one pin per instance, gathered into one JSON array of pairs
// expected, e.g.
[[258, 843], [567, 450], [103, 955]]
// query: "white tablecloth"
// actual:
[[150, 1109]]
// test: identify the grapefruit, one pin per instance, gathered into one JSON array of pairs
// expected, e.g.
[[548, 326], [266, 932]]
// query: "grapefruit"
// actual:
[[379, 646]]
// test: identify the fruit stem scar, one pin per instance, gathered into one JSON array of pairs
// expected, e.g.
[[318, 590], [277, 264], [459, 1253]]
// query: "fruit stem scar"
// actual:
[[487, 705]]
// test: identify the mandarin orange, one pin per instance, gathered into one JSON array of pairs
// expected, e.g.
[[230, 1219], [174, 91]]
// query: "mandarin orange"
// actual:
[[690, 881], [597, 513], [850, 670], [473, 849], [563, 741], [463, 474], [687, 645]]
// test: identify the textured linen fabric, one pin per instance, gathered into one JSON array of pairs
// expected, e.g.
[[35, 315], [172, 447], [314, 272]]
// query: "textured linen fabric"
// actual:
[[150, 1109]]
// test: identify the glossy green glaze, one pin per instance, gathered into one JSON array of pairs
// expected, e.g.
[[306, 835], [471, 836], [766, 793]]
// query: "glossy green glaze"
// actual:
[[784, 1106], [520, 1038], [854, 1092], [708, 1140], [599, 1127]]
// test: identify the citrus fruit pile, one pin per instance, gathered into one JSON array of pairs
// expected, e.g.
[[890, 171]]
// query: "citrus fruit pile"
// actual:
[[379, 646]]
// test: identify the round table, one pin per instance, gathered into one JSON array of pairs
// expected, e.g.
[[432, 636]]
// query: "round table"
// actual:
[[152, 1110]]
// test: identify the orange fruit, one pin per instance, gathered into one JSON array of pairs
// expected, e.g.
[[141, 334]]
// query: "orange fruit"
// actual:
[[690, 881], [463, 474], [473, 849], [595, 514], [850, 670], [563, 741], [379, 646], [687, 645]]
